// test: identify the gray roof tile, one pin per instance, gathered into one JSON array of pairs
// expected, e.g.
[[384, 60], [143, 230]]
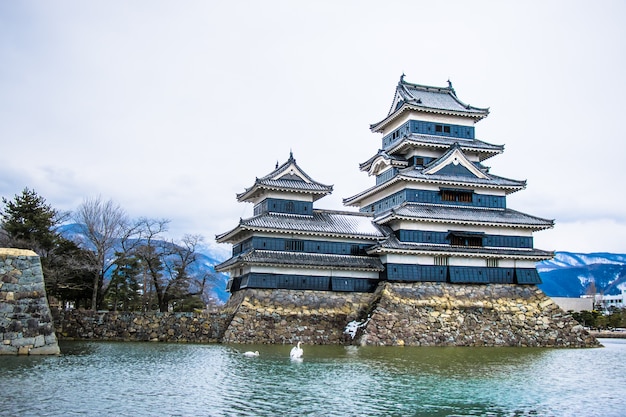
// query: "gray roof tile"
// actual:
[[463, 215], [444, 142], [324, 222], [303, 259], [441, 100], [392, 243], [287, 182]]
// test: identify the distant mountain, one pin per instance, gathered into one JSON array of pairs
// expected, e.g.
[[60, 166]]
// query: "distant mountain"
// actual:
[[570, 274]]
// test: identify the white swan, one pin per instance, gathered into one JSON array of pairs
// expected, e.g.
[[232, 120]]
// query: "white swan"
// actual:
[[296, 352], [251, 354]]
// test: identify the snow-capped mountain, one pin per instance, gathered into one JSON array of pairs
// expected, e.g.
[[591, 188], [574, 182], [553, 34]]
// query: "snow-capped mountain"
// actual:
[[571, 274]]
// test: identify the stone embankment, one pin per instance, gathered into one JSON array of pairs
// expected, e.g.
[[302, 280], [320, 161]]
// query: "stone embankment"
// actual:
[[397, 314], [406, 314], [289, 316], [25, 320], [140, 327], [441, 314]]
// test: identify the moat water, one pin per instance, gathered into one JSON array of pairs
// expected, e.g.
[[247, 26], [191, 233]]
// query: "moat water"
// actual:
[[152, 379]]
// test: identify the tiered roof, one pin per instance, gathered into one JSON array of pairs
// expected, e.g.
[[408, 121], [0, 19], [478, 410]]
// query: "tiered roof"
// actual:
[[288, 177], [393, 245], [484, 150], [478, 216], [321, 223], [460, 179], [303, 260], [437, 100]]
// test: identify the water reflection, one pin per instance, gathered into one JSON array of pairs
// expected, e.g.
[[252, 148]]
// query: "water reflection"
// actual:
[[144, 379]]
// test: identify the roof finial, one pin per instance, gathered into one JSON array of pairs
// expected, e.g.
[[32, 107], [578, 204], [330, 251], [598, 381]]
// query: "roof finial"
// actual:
[[449, 83], [276, 164], [291, 155], [402, 77]]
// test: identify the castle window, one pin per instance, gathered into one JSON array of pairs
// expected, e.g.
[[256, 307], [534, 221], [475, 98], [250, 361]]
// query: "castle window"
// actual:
[[442, 128], [466, 239], [492, 263], [441, 260], [461, 196], [289, 207], [294, 245], [356, 250]]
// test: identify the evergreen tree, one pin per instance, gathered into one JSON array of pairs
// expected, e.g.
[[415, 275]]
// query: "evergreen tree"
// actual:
[[29, 222], [124, 286], [69, 273]]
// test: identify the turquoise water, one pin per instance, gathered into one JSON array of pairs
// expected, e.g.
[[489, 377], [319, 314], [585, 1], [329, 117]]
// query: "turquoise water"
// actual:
[[151, 379]]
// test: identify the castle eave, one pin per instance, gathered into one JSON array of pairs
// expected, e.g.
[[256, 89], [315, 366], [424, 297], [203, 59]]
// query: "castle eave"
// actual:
[[474, 115], [460, 215], [470, 182], [323, 223], [282, 259], [403, 248]]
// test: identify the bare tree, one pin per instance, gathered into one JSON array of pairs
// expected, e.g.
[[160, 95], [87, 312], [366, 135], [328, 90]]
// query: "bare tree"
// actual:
[[167, 264], [182, 284], [104, 225], [149, 252]]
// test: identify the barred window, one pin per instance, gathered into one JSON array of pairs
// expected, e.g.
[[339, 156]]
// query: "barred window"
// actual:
[[294, 245], [454, 195]]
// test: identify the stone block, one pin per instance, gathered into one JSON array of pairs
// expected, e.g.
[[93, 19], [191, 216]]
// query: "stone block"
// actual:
[[24, 350], [8, 349], [46, 350]]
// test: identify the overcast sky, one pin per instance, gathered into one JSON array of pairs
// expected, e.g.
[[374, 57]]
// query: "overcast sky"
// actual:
[[171, 108]]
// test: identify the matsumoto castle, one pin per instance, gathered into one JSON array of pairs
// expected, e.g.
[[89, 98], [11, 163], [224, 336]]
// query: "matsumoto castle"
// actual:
[[435, 213]]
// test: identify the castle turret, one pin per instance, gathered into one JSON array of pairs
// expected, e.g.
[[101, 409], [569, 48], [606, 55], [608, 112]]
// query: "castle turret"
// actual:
[[289, 244], [433, 256]]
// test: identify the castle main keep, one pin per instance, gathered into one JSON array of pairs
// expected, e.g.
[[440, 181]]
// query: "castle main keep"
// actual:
[[432, 257]]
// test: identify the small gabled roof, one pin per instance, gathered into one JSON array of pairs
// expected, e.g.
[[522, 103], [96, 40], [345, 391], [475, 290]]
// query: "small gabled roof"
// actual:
[[288, 177], [321, 223], [454, 156], [382, 158], [449, 214], [302, 260], [440, 100]]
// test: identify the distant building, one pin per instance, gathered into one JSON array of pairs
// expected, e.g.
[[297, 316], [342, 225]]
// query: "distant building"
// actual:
[[607, 302], [435, 212]]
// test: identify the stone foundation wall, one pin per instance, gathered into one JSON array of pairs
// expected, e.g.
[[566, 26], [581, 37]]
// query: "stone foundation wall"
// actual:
[[289, 316], [397, 314], [141, 327], [443, 314], [25, 320]]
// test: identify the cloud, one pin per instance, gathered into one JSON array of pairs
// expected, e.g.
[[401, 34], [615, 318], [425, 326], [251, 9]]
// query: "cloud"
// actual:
[[171, 111]]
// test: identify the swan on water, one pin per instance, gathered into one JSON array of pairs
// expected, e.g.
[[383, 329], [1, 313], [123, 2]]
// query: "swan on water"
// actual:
[[296, 352], [251, 354]]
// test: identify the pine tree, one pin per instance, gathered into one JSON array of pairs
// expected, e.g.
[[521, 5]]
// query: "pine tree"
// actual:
[[30, 222]]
